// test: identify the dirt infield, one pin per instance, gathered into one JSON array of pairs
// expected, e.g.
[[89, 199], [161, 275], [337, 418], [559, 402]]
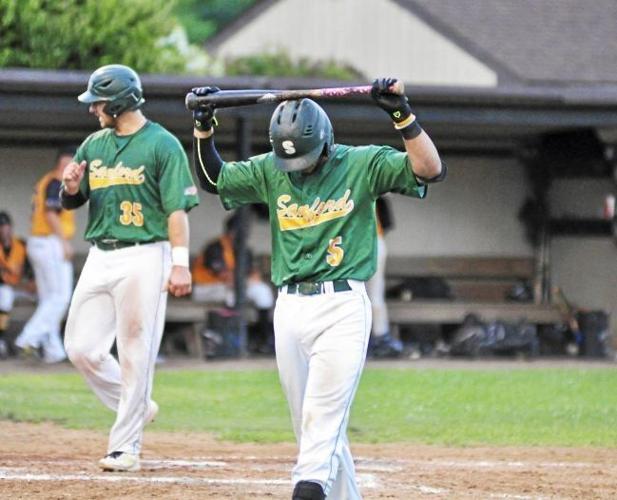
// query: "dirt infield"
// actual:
[[46, 461]]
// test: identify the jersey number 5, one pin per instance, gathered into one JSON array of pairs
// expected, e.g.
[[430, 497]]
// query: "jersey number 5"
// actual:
[[131, 214], [335, 252]]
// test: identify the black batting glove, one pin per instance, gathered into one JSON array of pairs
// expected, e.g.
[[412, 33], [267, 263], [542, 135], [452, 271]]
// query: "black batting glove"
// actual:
[[395, 105], [203, 116]]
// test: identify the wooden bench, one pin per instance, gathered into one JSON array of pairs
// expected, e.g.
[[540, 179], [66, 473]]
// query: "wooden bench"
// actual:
[[183, 314], [189, 316], [434, 311], [479, 285]]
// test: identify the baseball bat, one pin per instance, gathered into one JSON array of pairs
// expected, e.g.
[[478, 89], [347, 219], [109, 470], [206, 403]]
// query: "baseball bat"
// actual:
[[231, 98]]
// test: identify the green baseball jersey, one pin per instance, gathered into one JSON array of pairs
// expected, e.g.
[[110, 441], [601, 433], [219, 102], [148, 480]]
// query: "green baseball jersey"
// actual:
[[134, 183], [323, 224]]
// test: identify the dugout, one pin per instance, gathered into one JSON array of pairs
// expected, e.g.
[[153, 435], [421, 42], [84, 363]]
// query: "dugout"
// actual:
[[550, 148]]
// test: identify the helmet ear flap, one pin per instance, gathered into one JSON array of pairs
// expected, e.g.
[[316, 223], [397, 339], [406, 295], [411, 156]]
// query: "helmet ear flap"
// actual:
[[111, 108], [125, 101]]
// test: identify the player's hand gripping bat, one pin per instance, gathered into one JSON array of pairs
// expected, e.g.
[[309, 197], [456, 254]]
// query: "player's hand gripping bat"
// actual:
[[231, 98]]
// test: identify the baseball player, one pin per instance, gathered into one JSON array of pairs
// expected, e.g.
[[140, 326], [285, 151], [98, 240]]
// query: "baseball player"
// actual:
[[12, 262], [140, 189], [321, 198], [50, 253]]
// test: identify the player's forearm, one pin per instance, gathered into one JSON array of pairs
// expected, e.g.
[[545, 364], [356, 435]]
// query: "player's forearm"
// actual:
[[208, 163], [424, 158], [178, 228], [71, 201], [9, 275]]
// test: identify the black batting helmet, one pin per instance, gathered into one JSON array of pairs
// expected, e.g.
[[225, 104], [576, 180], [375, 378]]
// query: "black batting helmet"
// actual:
[[5, 218], [300, 131], [119, 85]]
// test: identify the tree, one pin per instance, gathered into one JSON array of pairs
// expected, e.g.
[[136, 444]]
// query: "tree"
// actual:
[[85, 34], [204, 18], [281, 64]]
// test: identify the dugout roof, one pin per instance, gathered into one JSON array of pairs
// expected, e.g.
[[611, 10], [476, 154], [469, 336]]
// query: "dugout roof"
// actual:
[[39, 107]]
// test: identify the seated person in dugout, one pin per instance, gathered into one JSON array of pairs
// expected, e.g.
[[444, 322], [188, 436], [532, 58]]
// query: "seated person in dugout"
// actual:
[[12, 263], [213, 281]]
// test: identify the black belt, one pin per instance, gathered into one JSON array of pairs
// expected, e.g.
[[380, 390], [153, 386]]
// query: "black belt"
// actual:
[[117, 244], [315, 288]]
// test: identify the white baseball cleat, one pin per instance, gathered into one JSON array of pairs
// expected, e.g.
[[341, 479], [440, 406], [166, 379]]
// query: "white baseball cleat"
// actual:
[[120, 461], [51, 359], [153, 410]]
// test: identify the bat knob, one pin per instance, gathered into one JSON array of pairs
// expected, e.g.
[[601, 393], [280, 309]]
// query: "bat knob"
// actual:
[[398, 88], [190, 101]]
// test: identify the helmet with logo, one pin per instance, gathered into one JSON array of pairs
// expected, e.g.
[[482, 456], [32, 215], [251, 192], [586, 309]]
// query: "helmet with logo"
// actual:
[[119, 85], [300, 131]]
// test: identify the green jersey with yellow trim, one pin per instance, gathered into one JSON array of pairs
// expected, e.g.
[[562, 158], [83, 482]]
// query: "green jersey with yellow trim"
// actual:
[[322, 224], [134, 183]]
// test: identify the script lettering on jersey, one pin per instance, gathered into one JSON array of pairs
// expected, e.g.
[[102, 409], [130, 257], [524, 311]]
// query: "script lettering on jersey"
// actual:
[[102, 176], [292, 216]]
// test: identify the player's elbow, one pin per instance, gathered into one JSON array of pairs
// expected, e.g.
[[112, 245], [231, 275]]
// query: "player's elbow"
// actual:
[[434, 171], [430, 167], [208, 186]]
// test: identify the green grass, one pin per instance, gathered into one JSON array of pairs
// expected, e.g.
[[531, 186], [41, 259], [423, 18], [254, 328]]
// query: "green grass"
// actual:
[[559, 407]]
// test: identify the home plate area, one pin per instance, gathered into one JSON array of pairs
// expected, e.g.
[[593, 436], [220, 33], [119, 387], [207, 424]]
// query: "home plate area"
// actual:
[[47, 461]]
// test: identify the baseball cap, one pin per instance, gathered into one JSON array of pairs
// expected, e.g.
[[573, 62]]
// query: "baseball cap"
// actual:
[[5, 218]]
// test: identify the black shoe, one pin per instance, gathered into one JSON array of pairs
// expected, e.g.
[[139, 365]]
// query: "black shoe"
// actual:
[[308, 490], [385, 346]]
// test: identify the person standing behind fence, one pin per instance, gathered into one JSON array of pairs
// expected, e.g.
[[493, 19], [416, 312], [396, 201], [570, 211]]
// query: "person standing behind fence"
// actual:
[[12, 262], [50, 253]]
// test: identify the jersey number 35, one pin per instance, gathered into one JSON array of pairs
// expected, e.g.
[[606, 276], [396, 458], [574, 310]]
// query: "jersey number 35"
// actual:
[[131, 214]]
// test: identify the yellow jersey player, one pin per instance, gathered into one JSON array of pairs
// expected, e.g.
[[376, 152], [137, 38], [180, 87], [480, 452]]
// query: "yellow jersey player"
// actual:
[[12, 262], [50, 253]]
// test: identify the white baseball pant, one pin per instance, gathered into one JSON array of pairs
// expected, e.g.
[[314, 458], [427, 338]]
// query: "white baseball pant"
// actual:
[[321, 343], [54, 284], [7, 297], [120, 296], [376, 290]]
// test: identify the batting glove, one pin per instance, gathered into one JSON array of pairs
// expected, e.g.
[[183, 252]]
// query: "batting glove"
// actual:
[[395, 105], [203, 116]]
